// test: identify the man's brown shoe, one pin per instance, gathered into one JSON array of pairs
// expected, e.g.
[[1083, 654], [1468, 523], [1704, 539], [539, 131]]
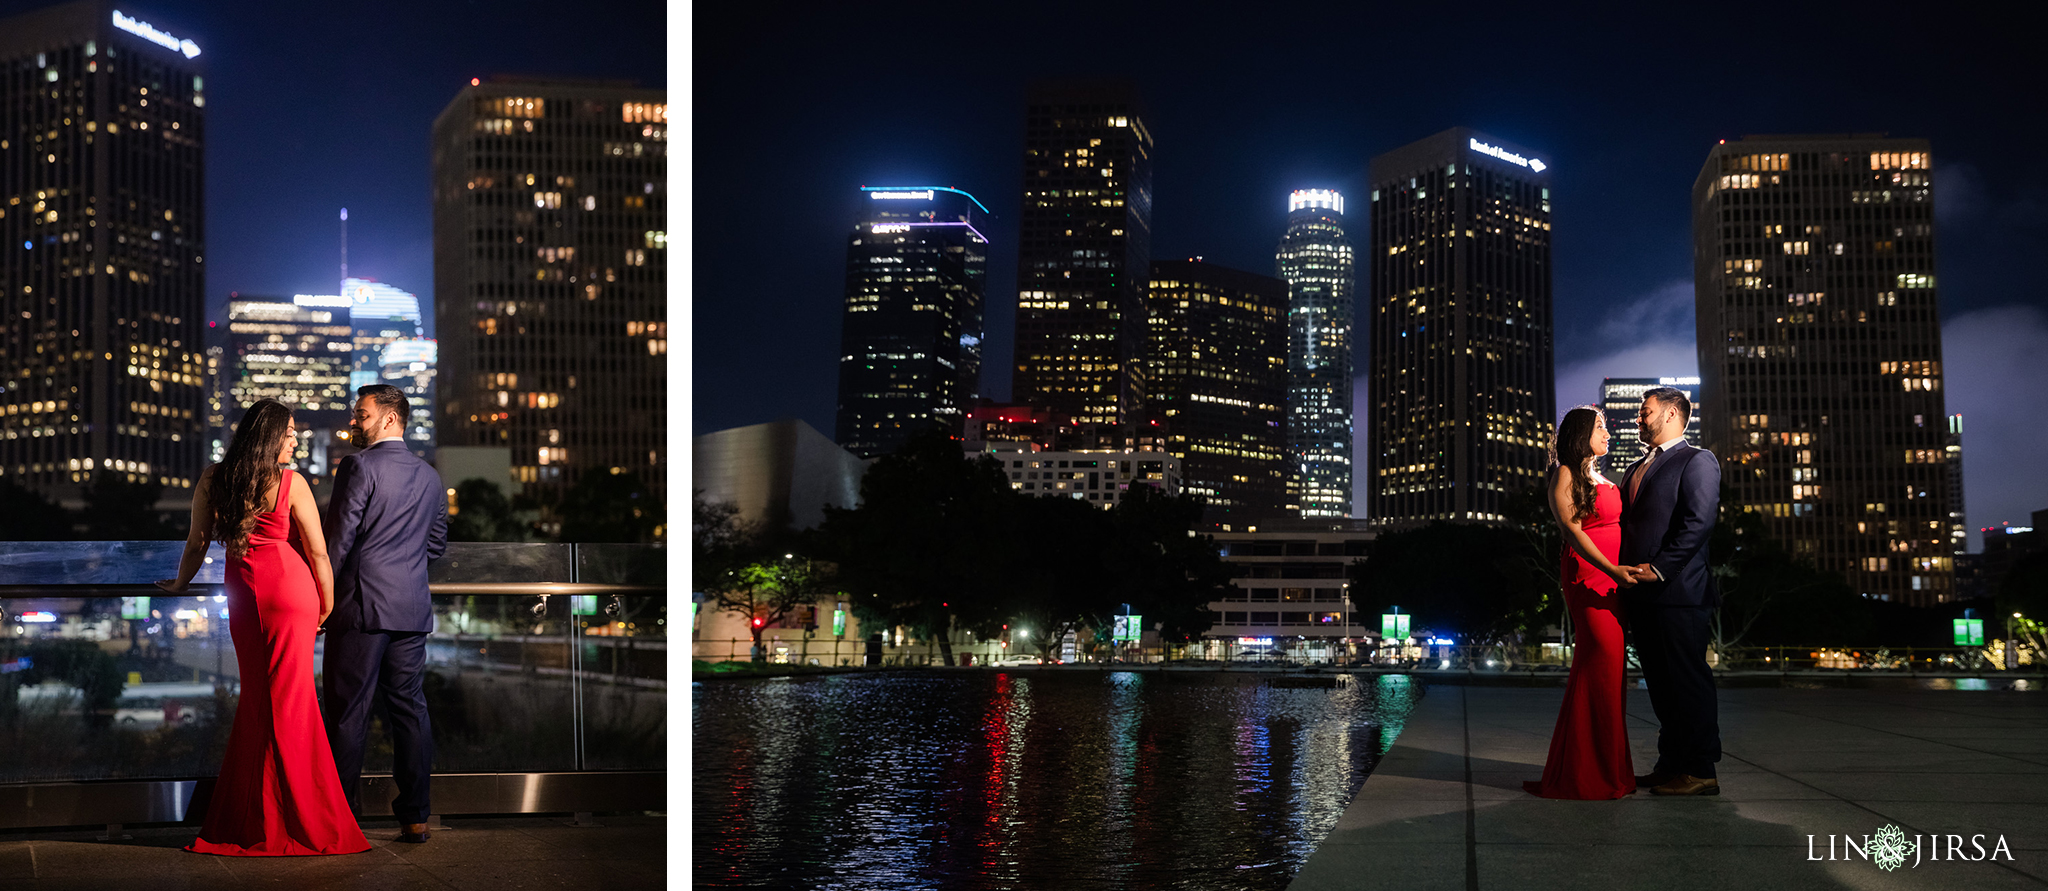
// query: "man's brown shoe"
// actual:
[[1656, 778], [1687, 784], [413, 833]]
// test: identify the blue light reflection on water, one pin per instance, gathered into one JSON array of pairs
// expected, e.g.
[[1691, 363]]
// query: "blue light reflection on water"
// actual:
[[1028, 779]]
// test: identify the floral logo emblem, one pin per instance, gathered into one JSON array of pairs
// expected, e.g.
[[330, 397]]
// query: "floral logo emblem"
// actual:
[[1889, 848]]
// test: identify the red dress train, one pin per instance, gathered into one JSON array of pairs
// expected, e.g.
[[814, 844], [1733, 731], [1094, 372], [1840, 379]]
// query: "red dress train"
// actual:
[[1589, 753], [278, 794]]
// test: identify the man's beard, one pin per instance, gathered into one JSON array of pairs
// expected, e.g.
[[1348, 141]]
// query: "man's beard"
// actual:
[[358, 437]]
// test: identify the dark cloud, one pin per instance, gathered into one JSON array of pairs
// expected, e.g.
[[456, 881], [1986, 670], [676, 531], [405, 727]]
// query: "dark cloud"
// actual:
[[1650, 336], [1993, 369]]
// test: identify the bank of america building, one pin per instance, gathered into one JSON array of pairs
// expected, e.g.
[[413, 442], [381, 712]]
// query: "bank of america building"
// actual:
[[1460, 317], [102, 366]]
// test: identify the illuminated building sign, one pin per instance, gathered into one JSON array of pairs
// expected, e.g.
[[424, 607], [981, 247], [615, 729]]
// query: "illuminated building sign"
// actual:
[[1315, 198], [886, 228], [1394, 625], [38, 616], [1508, 156], [1683, 381], [917, 193], [334, 300], [1255, 641], [150, 33]]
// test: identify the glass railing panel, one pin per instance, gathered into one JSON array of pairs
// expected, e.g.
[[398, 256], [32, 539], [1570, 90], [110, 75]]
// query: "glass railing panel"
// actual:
[[623, 658], [103, 677]]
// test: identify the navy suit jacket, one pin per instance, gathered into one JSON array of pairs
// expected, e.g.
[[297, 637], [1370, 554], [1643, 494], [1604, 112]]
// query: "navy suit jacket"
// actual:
[[387, 518], [1667, 523]]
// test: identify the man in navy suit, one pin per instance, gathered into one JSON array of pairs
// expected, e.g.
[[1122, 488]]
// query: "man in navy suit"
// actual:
[[1669, 499], [387, 518]]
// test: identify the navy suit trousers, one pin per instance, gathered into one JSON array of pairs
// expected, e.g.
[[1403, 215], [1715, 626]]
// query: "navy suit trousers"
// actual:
[[1671, 645], [380, 668]]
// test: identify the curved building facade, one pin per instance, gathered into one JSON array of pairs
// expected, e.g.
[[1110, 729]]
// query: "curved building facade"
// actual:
[[1315, 259]]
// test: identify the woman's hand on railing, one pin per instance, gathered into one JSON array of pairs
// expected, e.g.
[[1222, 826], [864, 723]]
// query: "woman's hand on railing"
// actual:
[[173, 585]]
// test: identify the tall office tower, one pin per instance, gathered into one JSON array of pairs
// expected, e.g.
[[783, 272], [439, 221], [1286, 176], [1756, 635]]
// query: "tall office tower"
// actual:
[[1463, 399], [1621, 401], [1085, 237], [102, 368], [1958, 525], [549, 268], [1216, 360], [297, 352], [1315, 260], [390, 347], [910, 336], [1820, 352]]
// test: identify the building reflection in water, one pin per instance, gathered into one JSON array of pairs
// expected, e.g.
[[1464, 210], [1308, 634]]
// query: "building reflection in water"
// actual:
[[1027, 779]]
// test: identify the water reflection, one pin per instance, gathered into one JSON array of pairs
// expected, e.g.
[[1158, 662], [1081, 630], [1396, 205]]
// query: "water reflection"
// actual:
[[1027, 779]]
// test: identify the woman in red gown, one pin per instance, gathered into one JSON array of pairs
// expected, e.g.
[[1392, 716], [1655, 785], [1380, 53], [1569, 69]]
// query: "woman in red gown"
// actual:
[[278, 794], [1589, 753]]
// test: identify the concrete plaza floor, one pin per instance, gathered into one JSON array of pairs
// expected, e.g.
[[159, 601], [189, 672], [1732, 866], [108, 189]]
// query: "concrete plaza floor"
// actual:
[[481, 853], [1445, 807]]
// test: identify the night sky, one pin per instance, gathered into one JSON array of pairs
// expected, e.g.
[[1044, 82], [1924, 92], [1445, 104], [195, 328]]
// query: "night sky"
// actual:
[[797, 107], [312, 107]]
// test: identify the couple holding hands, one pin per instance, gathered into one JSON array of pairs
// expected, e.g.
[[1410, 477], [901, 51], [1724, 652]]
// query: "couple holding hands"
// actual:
[[1636, 552]]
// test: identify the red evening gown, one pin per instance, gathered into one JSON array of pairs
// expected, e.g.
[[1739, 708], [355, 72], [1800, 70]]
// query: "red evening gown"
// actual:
[[278, 794], [1589, 753]]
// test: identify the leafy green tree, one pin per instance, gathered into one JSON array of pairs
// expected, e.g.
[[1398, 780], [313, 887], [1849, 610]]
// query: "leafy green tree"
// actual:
[[1051, 572], [484, 514], [1482, 583], [917, 550], [2025, 591], [1771, 596], [1163, 570], [609, 506], [25, 515], [119, 510]]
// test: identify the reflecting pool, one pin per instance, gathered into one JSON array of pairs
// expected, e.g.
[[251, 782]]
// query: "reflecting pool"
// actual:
[[1029, 779]]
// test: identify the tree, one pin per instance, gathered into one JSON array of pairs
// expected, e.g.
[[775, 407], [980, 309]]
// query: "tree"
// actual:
[[1051, 573], [1769, 595], [1165, 572], [609, 506], [2025, 591], [119, 510], [1480, 582], [483, 513], [25, 515], [916, 553]]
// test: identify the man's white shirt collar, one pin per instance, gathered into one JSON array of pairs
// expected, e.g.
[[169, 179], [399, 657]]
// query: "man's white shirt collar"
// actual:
[[385, 439], [1666, 445]]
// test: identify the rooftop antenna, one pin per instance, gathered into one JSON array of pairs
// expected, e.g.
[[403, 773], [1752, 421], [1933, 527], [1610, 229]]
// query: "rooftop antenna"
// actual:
[[344, 244]]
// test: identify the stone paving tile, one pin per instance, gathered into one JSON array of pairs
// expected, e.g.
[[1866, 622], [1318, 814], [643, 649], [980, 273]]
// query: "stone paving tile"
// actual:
[[1421, 866], [1798, 764], [625, 851]]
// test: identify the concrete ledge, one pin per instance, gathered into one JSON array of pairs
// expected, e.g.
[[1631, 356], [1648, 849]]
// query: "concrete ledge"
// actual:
[[1445, 807]]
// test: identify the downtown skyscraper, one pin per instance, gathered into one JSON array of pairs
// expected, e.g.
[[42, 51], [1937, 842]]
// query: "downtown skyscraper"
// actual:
[[1820, 352], [1216, 362], [1460, 376], [1085, 240], [1315, 260], [1621, 401], [910, 332], [102, 240], [550, 257]]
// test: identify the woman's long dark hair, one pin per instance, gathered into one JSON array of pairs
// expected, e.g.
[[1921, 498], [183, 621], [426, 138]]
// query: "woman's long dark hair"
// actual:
[[1573, 447], [248, 470]]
